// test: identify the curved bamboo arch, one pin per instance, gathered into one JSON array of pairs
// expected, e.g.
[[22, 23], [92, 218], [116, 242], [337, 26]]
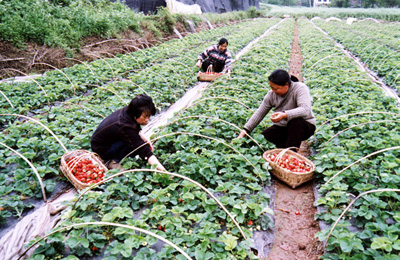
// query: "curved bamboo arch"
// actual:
[[37, 83], [324, 58], [205, 99], [238, 89], [199, 135], [137, 85], [9, 102], [81, 62], [312, 54], [33, 168], [212, 118], [167, 173], [375, 55], [40, 123], [367, 46], [115, 57], [237, 78], [110, 224], [354, 114], [181, 63], [162, 65], [210, 98], [115, 93], [359, 79], [359, 160], [351, 203], [250, 74], [140, 66], [361, 124], [157, 74], [43, 63], [89, 109], [102, 59], [384, 59]]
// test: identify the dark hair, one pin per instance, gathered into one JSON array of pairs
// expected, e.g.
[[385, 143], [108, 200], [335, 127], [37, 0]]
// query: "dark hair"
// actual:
[[140, 104], [222, 41], [281, 77]]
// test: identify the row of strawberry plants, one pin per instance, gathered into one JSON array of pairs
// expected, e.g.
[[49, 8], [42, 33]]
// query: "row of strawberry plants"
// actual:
[[73, 122], [366, 123], [59, 85], [175, 208], [381, 56]]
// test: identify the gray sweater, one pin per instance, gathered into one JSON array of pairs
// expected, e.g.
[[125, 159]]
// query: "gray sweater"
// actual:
[[295, 103]]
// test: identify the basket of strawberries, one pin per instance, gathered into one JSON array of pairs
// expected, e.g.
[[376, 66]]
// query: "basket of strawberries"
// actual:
[[289, 166], [209, 75], [82, 168]]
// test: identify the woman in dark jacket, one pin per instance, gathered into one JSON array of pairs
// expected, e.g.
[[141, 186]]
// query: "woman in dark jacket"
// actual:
[[120, 133], [217, 56]]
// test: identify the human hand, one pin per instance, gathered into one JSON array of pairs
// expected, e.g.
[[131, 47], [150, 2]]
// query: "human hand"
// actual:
[[198, 63], [278, 116], [242, 134], [228, 73]]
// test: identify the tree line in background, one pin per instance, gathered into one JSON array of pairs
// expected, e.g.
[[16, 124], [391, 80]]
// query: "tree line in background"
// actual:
[[339, 3]]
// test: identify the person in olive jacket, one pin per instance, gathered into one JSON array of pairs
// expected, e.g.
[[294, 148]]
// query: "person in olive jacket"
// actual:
[[120, 133], [293, 118]]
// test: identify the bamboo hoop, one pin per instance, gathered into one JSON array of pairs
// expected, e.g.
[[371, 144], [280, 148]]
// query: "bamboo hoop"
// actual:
[[324, 58], [33, 168], [237, 89], [115, 57], [43, 63], [102, 59], [110, 224], [37, 83], [200, 135], [167, 173], [81, 62], [353, 114], [351, 203], [212, 118], [89, 109], [115, 93], [4, 95], [40, 123], [348, 128], [359, 160]]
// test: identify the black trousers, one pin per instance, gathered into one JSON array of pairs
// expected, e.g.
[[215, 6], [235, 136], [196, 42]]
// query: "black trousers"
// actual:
[[217, 66], [296, 131]]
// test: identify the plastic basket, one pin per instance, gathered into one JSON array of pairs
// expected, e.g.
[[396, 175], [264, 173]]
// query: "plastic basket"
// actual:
[[84, 155], [293, 179]]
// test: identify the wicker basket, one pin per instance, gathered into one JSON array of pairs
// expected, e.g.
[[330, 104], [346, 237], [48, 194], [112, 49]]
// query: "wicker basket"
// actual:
[[208, 75], [84, 155], [293, 179]]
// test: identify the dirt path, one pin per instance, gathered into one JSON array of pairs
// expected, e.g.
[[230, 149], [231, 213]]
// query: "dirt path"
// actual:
[[294, 210]]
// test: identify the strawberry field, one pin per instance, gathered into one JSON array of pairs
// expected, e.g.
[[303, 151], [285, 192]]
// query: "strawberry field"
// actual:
[[213, 200]]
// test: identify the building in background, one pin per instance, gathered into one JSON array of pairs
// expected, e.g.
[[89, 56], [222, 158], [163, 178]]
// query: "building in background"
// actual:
[[322, 3]]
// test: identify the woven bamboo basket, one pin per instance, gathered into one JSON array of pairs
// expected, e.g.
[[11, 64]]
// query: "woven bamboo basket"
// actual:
[[209, 75], [80, 154], [293, 179]]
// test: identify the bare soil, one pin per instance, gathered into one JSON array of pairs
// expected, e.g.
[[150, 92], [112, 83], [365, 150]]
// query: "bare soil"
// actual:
[[294, 208]]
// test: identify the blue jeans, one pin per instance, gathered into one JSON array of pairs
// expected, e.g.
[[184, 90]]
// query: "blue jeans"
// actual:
[[117, 151]]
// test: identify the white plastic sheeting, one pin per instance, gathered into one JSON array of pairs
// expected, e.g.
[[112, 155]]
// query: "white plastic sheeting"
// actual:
[[31, 226], [176, 7]]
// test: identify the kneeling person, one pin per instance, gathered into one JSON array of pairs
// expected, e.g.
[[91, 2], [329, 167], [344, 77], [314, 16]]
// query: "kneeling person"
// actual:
[[120, 133]]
